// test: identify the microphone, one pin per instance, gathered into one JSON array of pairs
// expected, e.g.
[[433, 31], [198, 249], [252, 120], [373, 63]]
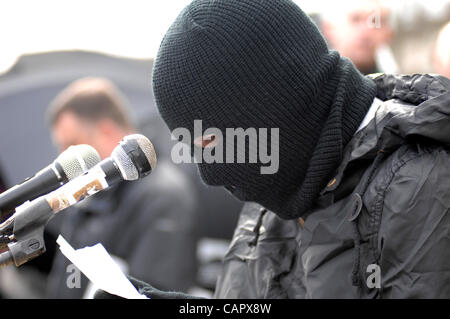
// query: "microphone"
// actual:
[[73, 162], [132, 159]]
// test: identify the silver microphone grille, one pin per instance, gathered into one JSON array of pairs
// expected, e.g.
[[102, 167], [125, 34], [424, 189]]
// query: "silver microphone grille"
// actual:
[[126, 166], [146, 147], [130, 146], [78, 159]]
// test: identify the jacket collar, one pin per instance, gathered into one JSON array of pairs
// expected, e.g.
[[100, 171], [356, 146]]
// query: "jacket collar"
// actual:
[[413, 106]]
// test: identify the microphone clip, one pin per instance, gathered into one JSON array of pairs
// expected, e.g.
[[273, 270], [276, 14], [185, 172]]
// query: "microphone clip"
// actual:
[[27, 238]]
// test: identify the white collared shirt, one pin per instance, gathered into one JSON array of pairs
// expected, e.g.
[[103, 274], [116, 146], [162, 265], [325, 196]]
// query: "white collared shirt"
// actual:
[[370, 114]]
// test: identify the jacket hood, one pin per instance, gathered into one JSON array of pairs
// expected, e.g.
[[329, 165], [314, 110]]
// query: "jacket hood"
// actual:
[[415, 108]]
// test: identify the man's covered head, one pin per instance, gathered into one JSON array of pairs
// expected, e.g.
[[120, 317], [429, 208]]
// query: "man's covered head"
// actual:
[[259, 64]]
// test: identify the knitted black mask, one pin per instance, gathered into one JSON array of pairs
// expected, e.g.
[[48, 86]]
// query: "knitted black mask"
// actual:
[[262, 64]]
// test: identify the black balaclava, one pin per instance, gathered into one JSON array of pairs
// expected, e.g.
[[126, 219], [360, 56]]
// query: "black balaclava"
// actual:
[[262, 64]]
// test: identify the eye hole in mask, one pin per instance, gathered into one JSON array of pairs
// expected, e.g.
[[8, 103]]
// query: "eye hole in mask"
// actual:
[[206, 141]]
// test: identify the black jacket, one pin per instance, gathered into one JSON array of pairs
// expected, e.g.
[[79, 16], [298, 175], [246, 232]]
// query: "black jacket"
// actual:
[[380, 229], [149, 224]]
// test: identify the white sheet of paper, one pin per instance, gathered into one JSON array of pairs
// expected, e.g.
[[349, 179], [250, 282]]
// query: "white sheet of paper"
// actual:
[[99, 267]]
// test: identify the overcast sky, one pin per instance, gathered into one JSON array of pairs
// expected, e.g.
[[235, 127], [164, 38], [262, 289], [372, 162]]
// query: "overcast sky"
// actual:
[[129, 28]]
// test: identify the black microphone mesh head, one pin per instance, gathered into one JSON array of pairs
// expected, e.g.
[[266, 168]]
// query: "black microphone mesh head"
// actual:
[[78, 159], [124, 155]]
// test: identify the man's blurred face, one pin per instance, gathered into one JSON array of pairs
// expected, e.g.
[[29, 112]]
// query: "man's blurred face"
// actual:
[[359, 31], [69, 129], [441, 58]]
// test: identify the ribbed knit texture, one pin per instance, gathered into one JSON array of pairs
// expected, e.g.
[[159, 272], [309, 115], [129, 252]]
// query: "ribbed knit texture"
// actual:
[[262, 64]]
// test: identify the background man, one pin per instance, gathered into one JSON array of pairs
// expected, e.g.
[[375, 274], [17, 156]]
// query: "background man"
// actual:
[[146, 224], [441, 54], [359, 30]]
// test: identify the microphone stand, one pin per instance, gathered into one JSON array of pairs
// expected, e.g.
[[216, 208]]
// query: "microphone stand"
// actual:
[[24, 232]]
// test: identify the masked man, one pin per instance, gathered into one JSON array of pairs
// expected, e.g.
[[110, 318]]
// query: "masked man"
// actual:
[[358, 206]]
